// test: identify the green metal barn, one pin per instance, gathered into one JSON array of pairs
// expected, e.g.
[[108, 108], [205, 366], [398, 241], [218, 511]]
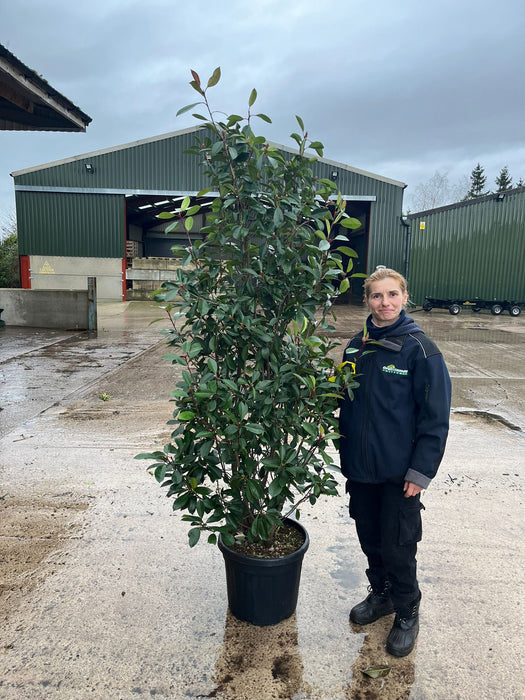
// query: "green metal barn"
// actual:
[[96, 214], [471, 249]]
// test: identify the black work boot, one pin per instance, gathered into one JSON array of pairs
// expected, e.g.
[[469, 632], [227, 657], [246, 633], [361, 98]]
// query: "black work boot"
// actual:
[[377, 604], [402, 636]]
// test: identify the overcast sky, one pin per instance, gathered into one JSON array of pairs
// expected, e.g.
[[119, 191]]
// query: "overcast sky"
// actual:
[[400, 88]]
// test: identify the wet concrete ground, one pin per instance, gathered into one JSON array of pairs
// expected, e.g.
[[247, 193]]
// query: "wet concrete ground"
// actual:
[[108, 601]]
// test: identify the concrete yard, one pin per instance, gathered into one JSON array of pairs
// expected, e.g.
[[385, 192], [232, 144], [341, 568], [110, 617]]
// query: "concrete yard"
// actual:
[[101, 597]]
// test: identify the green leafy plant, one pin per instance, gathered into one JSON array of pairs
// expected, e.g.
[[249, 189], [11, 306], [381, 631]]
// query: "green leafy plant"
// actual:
[[250, 309], [9, 275]]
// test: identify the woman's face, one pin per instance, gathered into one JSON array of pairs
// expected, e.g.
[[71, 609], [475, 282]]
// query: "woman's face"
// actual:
[[385, 301]]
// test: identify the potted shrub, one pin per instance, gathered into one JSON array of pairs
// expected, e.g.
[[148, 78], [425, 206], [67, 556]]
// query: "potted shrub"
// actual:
[[260, 381]]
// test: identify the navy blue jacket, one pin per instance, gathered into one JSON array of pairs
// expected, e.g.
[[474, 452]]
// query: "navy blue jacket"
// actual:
[[396, 427]]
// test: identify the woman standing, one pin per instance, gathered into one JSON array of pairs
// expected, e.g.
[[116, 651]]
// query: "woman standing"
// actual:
[[393, 438]]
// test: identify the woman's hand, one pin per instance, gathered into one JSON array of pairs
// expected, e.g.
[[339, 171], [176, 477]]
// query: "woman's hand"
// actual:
[[411, 489]]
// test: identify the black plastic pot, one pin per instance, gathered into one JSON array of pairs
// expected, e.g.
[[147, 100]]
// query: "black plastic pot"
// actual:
[[263, 591]]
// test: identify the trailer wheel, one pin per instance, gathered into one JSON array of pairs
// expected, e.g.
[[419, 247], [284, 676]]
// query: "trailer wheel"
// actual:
[[496, 309], [454, 309], [427, 306], [515, 310]]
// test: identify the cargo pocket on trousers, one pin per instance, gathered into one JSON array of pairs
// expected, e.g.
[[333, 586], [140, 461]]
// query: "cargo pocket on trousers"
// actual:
[[410, 523]]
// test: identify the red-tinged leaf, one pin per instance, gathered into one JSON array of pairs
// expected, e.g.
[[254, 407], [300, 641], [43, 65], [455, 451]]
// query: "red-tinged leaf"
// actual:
[[196, 77]]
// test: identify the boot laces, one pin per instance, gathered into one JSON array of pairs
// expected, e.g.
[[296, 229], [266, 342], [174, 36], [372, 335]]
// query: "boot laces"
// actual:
[[411, 613]]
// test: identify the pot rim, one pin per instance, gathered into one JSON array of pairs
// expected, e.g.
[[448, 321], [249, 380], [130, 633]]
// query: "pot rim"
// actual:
[[269, 561]]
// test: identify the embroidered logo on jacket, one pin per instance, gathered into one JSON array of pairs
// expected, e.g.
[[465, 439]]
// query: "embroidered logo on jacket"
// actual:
[[392, 369]]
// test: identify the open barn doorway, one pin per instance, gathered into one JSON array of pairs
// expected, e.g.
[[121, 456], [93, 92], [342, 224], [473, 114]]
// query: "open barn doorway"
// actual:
[[358, 240]]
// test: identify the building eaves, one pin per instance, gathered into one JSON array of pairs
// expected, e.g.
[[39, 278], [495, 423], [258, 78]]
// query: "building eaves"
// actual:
[[30, 103]]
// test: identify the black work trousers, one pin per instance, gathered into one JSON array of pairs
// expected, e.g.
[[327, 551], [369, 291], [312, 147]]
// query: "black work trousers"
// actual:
[[389, 527]]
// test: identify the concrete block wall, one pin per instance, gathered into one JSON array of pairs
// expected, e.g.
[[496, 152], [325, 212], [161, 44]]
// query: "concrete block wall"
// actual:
[[62, 272], [36, 308]]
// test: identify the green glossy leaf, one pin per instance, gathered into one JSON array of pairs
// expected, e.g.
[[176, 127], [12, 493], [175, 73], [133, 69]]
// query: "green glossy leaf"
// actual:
[[300, 122], [324, 245], [187, 108], [186, 415], [351, 223], [264, 117], [196, 87], [215, 77], [174, 357], [165, 215], [254, 428], [344, 286], [172, 227], [275, 488], [253, 97], [160, 472], [194, 536], [346, 251]]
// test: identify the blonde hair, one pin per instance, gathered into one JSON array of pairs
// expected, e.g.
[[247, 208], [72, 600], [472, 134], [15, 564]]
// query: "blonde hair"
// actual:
[[381, 274]]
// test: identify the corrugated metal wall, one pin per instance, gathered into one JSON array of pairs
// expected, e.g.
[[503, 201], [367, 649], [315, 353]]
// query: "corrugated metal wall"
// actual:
[[90, 223], [474, 248], [159, 164], [387, 235], [82, 225]]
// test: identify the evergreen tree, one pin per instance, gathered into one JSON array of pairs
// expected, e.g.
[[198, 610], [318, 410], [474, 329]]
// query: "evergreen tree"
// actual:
[[504, 180], [478, 180], [520, 183]]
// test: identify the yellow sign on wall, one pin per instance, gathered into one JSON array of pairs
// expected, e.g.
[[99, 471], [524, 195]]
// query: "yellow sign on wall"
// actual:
[[422, 225], [46, 269]]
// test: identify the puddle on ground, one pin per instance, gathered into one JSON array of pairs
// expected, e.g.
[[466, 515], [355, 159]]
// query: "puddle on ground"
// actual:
[[344, 569]]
